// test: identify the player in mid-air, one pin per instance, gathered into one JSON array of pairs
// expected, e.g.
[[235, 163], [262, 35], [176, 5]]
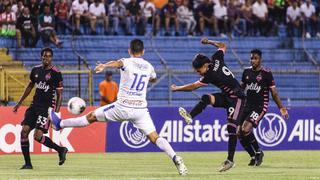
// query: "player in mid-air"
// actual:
[[48, 81], [131, 103], [214, 71], [257, 82]]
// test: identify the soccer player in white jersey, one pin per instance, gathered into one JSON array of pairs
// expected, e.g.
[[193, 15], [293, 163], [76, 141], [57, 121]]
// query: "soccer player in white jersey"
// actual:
[[131, 101]]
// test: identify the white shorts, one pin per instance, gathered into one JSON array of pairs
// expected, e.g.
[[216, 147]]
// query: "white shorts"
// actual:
[[140, 118]]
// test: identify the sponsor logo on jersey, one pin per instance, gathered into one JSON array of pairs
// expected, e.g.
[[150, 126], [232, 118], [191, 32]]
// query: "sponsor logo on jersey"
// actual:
[[132, 136], [43, 85], [271, 131], [253, 87]]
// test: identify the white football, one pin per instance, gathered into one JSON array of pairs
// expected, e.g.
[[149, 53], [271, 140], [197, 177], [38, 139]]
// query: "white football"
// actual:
[[76, 105]]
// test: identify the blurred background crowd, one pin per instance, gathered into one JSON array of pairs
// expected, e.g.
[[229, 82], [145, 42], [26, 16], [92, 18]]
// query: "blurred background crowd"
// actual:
[[46, 19]]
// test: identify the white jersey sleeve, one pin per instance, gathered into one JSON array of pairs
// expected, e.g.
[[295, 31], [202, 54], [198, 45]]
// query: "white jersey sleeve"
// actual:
[[135, 75]]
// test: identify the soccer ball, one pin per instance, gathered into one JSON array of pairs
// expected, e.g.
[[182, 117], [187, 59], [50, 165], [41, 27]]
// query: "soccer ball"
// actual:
[[76, 105]]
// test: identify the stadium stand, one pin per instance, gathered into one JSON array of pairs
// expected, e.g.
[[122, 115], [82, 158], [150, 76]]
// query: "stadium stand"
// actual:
[[296, 76]]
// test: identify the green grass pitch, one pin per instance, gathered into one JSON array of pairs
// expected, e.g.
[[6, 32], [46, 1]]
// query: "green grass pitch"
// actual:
[[157, 166]]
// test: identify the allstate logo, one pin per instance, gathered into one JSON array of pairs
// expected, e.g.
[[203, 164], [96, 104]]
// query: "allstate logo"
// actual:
[[271, 130], [132, 136]]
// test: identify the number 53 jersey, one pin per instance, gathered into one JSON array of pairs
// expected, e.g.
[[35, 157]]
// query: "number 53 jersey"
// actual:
[[135, 75]]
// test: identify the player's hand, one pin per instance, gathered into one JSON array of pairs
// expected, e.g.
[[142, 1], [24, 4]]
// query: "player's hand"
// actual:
[[99, 67], [15, 108], [173, 87], [284, 112], [205, 40]]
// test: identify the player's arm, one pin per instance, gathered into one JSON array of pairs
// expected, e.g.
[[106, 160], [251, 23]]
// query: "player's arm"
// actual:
[[24, 96], [276, 98], [153, 80], [58, 99], [187, 87], [219, 45], [242, 84], [59, 89], [153, 75], [111, 64]]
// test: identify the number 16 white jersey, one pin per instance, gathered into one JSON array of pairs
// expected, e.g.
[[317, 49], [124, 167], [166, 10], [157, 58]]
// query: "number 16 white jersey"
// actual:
[[135, 74]]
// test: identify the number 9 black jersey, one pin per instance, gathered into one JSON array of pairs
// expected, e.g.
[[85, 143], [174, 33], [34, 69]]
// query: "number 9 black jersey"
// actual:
[[220, 76]]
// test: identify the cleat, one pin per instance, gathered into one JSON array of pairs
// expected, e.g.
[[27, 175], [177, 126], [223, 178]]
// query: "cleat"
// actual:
[[55, 119], [26, 167], [62, 156], [226, 165], [187, 117], [259, 158], [252, 162], [182, 168]]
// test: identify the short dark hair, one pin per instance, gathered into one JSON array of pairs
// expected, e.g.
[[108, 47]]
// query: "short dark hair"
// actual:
[[108, 73], [256, 51], [136, 46], [199, 60], [46, 49]]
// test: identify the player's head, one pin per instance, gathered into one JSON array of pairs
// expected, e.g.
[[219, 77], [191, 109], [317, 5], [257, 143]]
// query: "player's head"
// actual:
[[255, 58], [201, 63], [46, 56], [108, 75], [136, 48]]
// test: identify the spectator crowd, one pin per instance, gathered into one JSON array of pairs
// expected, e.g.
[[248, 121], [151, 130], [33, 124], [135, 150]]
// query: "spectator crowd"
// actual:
[[33, 19]]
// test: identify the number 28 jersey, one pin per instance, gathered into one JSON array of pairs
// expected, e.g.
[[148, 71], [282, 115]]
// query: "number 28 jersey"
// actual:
[[220, 76], [135, 75]]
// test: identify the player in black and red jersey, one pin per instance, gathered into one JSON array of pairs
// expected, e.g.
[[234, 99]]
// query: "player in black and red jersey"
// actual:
[[257, 82], [48, 81], [214, 71]]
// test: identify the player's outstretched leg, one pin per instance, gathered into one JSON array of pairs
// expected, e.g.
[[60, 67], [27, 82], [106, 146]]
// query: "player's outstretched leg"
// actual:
[[182, 168], [62, 151], [81, 121], [186, 116], [164, 145]]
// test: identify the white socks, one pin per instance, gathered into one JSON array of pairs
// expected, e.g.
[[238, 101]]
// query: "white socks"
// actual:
[[165, 146], [75, 122]]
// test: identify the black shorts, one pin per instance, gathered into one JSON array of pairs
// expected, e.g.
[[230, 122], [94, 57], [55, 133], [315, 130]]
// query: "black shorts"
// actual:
[[36, 117], [234, 106], [253, 114]]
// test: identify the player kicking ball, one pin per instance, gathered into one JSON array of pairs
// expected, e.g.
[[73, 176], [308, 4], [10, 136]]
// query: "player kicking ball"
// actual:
[[131, 104], [214, 71]]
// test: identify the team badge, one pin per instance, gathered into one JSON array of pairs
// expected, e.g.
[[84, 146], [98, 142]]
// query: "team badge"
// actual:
[[48, 76], [259, 77], [247, 77], [36, 76]]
